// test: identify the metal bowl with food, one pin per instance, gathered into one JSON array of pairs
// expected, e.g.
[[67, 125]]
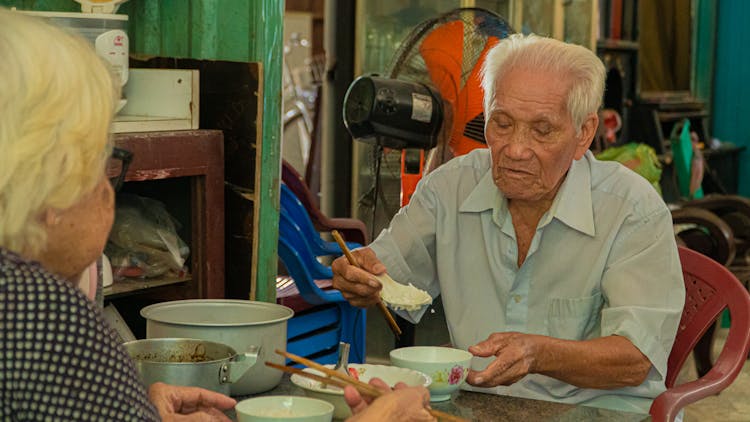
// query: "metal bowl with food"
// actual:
[[190, 362]]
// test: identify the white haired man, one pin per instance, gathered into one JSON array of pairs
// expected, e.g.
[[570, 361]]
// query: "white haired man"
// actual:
[[558, 272]]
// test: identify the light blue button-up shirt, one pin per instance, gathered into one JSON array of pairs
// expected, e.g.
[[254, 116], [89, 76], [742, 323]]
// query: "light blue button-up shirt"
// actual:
[[603, 261]]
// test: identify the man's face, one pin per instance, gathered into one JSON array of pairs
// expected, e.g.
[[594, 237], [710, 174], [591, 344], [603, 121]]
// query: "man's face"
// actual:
[[531, 135]]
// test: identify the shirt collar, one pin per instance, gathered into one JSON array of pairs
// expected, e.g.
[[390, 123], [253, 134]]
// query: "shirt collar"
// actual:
[[484, 196], [572, 205]]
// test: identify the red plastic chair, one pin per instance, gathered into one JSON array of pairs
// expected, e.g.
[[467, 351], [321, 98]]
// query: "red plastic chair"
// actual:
[[351, 229], [710, 288]]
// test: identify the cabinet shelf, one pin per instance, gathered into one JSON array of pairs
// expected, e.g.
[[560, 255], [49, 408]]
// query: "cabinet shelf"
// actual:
[[130, 287], [197, 155]]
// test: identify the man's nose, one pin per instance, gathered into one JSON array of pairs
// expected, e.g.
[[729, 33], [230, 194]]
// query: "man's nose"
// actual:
[[519, 145]]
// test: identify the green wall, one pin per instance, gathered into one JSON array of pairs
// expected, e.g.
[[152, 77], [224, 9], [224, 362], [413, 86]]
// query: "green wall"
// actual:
[[731, 102], [46, 5]]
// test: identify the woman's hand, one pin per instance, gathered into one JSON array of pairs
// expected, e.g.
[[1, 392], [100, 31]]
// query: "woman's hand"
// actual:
[[176, 403], [401, 404]]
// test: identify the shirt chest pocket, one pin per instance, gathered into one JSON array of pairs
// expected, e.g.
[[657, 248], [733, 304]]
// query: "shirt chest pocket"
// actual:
[[573, 318]]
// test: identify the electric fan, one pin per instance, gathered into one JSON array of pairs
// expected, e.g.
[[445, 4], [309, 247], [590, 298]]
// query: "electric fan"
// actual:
[[431, 99]]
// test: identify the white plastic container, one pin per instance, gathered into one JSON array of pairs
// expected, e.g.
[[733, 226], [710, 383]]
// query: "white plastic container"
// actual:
[[106, 32]]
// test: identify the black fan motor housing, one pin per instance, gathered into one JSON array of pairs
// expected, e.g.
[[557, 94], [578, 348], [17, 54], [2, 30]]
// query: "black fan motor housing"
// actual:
[[393, 113]]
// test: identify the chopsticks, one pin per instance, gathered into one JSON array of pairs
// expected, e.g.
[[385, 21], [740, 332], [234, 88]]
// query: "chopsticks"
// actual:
[[341, 380], [387, 314]]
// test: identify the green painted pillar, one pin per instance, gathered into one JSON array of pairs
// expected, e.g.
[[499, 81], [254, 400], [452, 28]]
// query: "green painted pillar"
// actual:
[[267, 47]]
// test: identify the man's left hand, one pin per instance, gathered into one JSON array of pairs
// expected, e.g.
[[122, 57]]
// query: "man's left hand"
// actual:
[[515, 355], [176, 403]]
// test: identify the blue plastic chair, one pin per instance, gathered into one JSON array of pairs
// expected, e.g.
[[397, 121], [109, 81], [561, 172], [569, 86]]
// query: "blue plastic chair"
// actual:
[[297, 212], [291, 232], [316, 333]]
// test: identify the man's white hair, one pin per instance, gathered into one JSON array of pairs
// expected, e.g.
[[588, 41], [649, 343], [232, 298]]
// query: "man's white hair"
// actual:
[[57, 100], [580, 65]]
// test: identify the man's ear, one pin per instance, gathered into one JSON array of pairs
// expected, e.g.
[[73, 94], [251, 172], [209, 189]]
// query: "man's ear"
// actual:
[[586, 135]]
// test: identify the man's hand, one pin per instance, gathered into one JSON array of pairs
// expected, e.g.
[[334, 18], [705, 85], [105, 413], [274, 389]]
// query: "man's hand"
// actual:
[[355, 284], [515, 356], [603, 363], [176, 403], [402, 404]]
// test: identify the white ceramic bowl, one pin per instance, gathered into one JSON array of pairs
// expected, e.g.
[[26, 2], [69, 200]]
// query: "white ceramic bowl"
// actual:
[[283, 408], [446, 366], [390, 374]]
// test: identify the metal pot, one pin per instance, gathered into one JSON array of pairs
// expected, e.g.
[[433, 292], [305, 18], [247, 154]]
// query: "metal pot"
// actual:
[[236, 323], [191, 362]]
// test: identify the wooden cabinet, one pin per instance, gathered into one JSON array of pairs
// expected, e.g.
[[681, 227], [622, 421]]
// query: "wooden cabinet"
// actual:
[[195, 160]]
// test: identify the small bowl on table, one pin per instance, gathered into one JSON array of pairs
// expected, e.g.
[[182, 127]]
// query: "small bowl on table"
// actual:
[[283, 409], [391, 375], [448, 367]]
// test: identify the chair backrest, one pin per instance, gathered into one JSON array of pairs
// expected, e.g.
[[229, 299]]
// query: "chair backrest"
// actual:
[[296, 266], [352, 229], [292, 234], [296, 184], [710, 288], [298, 213]]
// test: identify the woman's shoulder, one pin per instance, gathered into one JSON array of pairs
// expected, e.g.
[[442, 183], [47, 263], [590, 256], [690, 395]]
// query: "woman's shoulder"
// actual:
[[28, 285], [55, 334]]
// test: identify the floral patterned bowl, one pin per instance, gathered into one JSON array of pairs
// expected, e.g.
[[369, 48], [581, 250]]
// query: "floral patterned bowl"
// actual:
[[446, 366]]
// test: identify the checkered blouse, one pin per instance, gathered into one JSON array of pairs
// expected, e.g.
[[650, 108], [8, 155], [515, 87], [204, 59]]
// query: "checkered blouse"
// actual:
[[59, 360]]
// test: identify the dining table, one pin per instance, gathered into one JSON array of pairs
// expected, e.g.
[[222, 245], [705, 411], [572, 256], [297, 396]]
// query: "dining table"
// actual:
[[475, 406]]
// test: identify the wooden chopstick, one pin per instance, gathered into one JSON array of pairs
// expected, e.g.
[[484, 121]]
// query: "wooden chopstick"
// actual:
[[387, 314], [341, 380], [297, 371], [328, 371]]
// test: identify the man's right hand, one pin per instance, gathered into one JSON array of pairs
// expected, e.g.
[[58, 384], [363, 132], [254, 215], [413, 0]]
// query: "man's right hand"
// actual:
[[357, 285]]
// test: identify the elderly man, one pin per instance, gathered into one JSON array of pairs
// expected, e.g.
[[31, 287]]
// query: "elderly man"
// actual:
[[558, 272]]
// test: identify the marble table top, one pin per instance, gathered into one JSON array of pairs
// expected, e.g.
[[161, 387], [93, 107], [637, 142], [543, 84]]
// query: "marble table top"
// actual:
[[488, 407]]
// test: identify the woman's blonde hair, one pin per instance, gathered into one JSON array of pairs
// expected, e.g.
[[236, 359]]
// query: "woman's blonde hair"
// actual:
[[582, 66], [57, 99]]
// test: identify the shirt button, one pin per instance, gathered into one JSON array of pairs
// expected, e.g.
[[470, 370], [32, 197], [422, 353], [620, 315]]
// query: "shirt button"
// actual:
[[517, 298]]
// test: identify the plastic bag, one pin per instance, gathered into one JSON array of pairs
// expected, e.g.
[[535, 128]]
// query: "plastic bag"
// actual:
[[144, 240], [688, 160], [640, 158]]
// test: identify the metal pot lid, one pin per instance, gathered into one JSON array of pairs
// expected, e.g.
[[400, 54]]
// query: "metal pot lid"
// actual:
[[217, 312]]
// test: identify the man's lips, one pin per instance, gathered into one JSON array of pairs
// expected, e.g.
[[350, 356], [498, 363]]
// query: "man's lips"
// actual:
[[511, 170]]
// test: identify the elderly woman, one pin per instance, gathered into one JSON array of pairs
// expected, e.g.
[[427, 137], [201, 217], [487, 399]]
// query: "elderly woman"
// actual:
[[59, 359]]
